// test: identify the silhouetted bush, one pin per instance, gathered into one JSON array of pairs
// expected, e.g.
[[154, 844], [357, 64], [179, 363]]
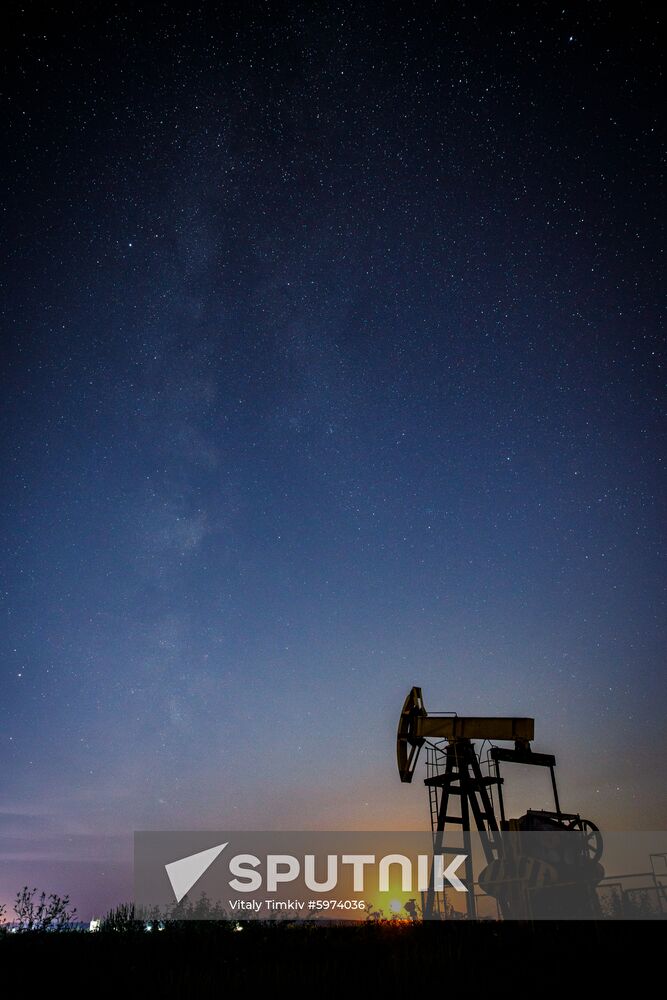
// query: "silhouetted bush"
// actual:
[[45, 913]]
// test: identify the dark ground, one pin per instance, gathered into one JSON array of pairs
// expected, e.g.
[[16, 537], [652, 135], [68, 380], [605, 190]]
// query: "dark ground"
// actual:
[[203, 960]]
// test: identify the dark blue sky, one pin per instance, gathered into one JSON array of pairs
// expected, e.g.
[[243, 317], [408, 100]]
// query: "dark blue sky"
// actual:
[[332, 366]]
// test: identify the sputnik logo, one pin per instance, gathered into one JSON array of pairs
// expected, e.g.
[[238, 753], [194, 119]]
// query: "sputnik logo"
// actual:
[[281, 868], [186, 871]]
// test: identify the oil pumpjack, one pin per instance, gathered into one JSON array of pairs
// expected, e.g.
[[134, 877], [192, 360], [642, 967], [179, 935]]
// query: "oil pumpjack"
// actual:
[[540, 874]]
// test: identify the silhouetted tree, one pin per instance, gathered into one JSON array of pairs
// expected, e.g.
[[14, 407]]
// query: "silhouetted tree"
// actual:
[[122, 918], [46, 913]]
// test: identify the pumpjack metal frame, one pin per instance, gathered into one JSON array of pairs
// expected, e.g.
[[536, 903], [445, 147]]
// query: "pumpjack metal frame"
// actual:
[[462, 779]]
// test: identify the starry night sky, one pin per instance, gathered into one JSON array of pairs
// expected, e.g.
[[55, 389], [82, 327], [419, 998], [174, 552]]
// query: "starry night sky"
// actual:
[[332, 365]]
